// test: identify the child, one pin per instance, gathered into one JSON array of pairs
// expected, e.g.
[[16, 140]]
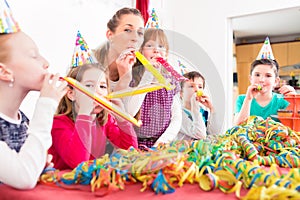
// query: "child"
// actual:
[[81, 126], [24, 148], [194, 116], [160, 110], [259, 99]]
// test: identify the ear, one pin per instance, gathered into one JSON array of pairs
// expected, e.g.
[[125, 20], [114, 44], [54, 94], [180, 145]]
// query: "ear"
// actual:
[[71, 94], [109, 34], [277, 81], [5, 73]]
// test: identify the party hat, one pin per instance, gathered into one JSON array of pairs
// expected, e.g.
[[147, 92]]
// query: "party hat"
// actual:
[[182, 68], [152, 21], [7, 22], [266, 51], [82, 54]]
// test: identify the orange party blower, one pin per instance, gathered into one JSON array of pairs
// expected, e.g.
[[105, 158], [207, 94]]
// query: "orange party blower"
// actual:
[[102, 101]]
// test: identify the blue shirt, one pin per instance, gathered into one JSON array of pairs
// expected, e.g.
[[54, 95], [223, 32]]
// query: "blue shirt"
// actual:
[[277, 102], [14, 135]]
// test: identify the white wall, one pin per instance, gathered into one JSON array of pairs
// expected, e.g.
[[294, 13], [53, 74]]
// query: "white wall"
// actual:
[[53, 25], [208, 24]]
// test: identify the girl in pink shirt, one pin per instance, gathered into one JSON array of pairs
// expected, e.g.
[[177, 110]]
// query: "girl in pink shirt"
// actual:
[[81, 126]]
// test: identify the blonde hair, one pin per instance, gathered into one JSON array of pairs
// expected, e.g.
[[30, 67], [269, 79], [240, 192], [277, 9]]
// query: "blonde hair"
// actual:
[[65, 106], [155, 35], [4, 48]]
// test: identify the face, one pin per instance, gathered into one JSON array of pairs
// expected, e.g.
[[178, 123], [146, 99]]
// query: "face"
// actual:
[[28, 66], [190, 87], [153, 49], [264, 75], [129, 33], [95, 80]]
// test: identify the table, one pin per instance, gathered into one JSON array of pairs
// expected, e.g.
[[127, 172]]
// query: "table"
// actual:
[[41, 191]]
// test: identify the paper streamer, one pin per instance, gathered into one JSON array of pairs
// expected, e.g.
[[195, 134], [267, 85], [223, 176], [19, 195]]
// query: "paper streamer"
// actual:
[[170, 69], [101, 100], [135, 91], [154, 71]]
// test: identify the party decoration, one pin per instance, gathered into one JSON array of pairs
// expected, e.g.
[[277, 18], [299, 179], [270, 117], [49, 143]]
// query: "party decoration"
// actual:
[[135, 91], [104, 102], [170, 69], [152, 21], [259, 87], [266, 51], [7, 21], [182, 67], [82, 54], [199, 93], [154, 71]]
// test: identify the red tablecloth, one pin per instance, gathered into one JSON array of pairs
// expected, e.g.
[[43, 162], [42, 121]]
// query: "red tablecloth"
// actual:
[[188, 192]]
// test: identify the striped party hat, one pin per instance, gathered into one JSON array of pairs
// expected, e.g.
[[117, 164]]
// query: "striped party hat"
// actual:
[[266, 51], [7, 21], [82, 54], [152, 21]]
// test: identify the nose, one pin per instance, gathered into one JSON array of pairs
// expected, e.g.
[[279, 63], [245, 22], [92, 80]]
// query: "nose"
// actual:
[[45, 63]]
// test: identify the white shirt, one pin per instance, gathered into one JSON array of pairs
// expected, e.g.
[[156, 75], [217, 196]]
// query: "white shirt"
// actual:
[[22, 170]]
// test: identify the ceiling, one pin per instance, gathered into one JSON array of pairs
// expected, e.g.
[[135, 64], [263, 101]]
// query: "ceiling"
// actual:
[[280, 25]]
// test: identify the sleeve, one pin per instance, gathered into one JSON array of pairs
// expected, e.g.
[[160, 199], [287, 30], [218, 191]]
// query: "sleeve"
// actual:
[[133, 104], [239, 103], [121, 134], [73, 141], [176, 119], [22, 170], [194, 128]]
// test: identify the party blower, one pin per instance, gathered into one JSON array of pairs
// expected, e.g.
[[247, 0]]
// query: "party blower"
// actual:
[[154, 71], [102, 101]]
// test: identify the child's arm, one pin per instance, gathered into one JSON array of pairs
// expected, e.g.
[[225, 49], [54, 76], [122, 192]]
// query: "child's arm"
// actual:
[[244, 113], [22, 170], [176, 119], [121, 133], [72, 141]]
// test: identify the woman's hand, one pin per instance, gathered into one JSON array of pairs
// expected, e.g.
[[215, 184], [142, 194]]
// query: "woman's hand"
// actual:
[[125, 61]]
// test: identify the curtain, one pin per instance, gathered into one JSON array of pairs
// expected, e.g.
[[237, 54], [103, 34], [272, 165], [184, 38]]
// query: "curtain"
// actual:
[[143, 5]]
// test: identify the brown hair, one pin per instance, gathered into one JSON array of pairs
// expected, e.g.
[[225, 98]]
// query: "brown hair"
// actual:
[[191, 76], [155, 35], [113, 23], [272, 63], [65, 106]]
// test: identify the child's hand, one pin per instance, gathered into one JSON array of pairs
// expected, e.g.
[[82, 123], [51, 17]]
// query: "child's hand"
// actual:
[[252, 91], [49, 163], [125, 61], [287, 90], [119, 103], [205, 100], [53, 87]]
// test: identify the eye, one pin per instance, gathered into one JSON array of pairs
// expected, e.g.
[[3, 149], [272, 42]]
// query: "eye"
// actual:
[[90, 85], [161, 47], [140, 33], [127, 30], [200, 87], [103, 86]]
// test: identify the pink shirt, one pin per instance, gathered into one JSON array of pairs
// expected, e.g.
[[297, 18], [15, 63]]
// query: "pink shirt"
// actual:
[[73, 143]]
